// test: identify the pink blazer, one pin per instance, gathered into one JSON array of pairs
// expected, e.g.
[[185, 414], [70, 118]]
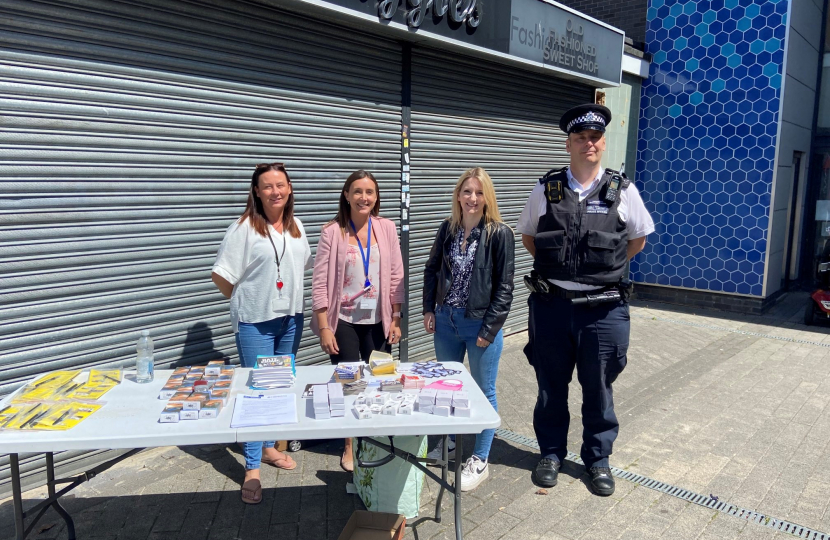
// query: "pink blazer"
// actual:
[[330, 268]]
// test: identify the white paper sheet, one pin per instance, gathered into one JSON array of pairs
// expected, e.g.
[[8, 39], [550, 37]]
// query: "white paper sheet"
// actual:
[[249, 411]]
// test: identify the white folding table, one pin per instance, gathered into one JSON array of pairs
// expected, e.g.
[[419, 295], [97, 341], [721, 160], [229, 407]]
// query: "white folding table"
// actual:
[[129, 420]]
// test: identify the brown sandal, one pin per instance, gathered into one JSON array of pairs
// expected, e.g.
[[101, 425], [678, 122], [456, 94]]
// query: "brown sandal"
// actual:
[[286, 463], [252, 491]]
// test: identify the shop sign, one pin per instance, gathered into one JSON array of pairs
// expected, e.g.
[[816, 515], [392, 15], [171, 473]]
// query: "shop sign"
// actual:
[[458, 11], [558, 38], [529, 31]]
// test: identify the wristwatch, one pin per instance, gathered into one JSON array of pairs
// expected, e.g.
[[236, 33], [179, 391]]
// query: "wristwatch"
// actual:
[[396, 314]]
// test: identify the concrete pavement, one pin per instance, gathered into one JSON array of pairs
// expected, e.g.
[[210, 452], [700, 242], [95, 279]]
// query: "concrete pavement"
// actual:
[[727, 406]]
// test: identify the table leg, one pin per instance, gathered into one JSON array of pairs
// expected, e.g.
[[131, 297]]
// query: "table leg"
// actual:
[[56, 505], [444, 468], [457, 487], [17, 495]]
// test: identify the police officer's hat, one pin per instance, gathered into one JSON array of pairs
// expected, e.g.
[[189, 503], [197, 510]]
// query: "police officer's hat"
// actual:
[[582, 117]]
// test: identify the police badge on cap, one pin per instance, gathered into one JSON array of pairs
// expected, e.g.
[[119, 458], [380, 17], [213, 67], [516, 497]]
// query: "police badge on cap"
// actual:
[[582, 117]]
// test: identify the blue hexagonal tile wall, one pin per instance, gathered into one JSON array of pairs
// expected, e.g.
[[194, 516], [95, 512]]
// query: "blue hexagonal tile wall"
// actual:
[[707, 135]]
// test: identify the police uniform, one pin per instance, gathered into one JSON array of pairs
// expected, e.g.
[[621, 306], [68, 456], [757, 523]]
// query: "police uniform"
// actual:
[[579, 314]]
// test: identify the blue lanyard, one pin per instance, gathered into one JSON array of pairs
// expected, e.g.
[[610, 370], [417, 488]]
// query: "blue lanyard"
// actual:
[[367, 255]]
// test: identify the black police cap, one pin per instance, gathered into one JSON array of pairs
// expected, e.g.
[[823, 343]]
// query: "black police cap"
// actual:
[[582, 117]]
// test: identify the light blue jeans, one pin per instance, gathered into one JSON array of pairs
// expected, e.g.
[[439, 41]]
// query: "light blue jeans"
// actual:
[[455, 335], [276, 336]]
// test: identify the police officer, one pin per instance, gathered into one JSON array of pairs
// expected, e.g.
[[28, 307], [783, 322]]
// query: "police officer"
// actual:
[[581, 224]]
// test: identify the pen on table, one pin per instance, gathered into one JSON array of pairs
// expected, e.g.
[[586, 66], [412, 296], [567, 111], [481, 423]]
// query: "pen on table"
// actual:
[[44, 381], [113, 379], [64, 415], [34, 418]]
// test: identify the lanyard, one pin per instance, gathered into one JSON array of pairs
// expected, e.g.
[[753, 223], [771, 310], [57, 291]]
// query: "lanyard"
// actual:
[[367, 255], [278, 260]]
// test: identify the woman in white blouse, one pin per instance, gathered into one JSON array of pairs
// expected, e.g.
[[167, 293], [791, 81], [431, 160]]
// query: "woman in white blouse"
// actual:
[[260, 267]]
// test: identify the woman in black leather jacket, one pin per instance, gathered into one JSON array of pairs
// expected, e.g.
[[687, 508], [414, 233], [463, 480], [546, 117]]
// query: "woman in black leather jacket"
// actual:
[[468, 289]]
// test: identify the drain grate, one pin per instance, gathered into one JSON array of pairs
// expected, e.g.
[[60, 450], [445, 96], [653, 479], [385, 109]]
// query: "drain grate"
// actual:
[[690, 496], [732, 330]]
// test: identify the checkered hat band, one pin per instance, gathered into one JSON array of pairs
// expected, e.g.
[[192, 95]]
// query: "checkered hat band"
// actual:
[[591, 117]]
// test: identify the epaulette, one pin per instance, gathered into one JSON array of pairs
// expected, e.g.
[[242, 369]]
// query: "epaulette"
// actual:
[[552, 172]]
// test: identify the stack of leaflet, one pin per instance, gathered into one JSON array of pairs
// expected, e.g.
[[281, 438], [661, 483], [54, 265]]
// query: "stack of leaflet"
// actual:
[[320, 400], [337, 402], [328, 401], [273, 377]]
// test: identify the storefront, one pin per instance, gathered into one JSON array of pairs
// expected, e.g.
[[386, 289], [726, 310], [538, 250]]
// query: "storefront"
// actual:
[[130, 131]]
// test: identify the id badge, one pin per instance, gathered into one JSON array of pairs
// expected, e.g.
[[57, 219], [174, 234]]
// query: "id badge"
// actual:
[[368, 303], [280, 304]]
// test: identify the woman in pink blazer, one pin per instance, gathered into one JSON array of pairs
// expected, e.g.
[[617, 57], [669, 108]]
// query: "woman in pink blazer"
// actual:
[[357, 289]]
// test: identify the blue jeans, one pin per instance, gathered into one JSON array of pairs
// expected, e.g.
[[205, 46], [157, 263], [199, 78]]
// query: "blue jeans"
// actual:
[[276, 336], [455, 335]]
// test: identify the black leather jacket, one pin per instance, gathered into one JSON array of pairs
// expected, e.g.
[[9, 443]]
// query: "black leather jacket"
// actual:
[[491, 285]]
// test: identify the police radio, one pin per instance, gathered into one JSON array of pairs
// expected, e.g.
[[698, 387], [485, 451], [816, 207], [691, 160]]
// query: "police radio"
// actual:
[[612, 190]]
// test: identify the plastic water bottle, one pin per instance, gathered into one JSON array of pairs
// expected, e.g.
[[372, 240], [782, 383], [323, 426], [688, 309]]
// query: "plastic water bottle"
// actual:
[[144, 361]]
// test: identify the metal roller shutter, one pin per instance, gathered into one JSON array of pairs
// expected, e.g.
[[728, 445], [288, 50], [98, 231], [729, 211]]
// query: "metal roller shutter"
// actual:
[[467, 113], [129, 134]]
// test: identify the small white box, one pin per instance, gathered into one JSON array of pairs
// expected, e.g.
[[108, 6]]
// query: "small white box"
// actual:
[[362, 412], [360, 399], [170, 415], [191, 405], [427, 395], [461, 399], [405, 409], [338, 413], [208, 413], [375, 408], [443, 398], [462, 412], [379, 398], [441, 410], [322, 415], [426, 408], [189, 414], [390, 410], [168, 393]]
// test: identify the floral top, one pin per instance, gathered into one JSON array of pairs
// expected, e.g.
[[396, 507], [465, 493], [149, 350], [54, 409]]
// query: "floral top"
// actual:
[[462, 268], [353, 280]]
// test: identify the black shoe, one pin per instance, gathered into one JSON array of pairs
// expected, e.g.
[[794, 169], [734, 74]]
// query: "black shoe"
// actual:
[[546, 473], [602, 483]]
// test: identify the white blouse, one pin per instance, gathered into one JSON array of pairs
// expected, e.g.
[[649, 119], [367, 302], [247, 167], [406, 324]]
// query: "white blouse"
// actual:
[[247, 261]]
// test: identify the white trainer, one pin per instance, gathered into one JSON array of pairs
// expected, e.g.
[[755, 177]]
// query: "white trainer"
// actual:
[[435, 453], [475, 471]]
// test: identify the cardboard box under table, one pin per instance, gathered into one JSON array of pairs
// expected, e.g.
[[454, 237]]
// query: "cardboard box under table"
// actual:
[[373, 526], [130, 420]]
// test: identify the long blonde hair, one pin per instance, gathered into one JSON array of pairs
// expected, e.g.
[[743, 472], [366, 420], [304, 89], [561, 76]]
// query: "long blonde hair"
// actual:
[[491, 208]]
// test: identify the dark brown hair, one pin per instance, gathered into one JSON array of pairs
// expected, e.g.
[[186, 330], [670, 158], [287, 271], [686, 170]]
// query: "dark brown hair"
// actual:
[[254, 211], [344, 211]]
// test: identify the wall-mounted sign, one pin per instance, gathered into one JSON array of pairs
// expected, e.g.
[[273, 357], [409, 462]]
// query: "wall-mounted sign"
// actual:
[[558, 38], [458, 11], [530, 31]]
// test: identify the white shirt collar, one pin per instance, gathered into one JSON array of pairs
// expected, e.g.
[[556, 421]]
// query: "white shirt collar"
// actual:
[[577, 187]]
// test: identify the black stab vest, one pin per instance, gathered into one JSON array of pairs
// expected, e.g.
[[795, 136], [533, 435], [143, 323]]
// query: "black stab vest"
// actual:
[[585, 242]]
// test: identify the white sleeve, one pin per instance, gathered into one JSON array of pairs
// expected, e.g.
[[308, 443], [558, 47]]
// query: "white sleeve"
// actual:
[[308, 262], [231, 258], [529, 219], [637, 220]]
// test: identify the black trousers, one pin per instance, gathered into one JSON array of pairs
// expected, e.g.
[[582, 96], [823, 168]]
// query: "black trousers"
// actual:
[[595, 341], [357, 341]]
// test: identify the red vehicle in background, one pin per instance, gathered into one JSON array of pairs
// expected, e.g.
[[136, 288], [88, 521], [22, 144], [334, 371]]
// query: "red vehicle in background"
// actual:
[[818, 306]]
